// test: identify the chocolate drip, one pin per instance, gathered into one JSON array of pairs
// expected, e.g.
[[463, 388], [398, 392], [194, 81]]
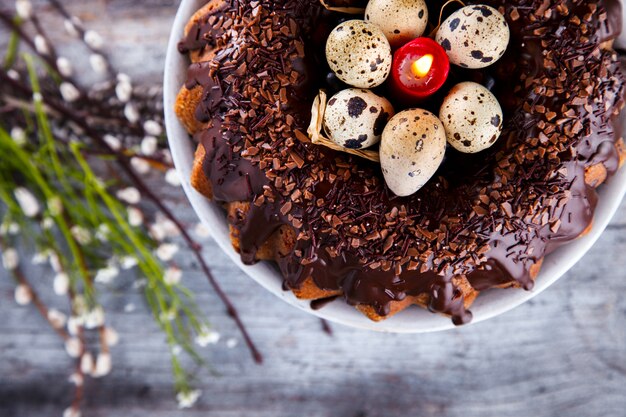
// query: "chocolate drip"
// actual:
[[483, 220], [259, 225], [233, 177], [322, 302], [212, 95]]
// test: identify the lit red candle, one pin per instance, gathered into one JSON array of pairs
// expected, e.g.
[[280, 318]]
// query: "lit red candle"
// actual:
[[419, 69]]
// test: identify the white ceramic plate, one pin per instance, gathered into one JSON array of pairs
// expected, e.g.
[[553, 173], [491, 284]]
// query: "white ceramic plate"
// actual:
[[412, 320]]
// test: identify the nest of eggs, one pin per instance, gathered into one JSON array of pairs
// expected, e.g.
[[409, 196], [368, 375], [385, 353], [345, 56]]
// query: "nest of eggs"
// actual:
[[411, 143]]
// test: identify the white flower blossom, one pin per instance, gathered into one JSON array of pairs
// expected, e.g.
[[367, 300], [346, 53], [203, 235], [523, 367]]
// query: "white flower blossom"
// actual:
[[131, 113], [82, 235], [172, 177], [55, 263], [93, 39], [103, 365], [165, 227], [111, 337], [74, 323], [76, 379], [41, 45], [102, 232], [72, 411], [37, 98], [202, 231], [152, 128], [13, 228], [187, 399], [23, 295], [124, 78], [69, 92], [99, 181], [168, 315], [98, 63], [130, 195], [10, 259], [170, 228], [135, 217], [176, 350], [231, 343], [140, 165], [166, 251], [47, 223], [61, 283], [57, 318], [14, 75], [86, 363], [113, 142], [172, 275], [207, 337], [27, 201], [140, 283], [24, 9], [73, 347], [124, 91], [127, 262], [71, 28], [149, 145], [19, 136], [40, 258], [55, 206], [157, 231], [107, 275], [80, 304], [64, 66], [94, 318]]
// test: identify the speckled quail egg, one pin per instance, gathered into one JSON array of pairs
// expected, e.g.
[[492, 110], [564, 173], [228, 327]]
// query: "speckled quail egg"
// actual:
[[355, 118], [359, 53], [412, 148], [474, 36], [472, 117], [400, 20]]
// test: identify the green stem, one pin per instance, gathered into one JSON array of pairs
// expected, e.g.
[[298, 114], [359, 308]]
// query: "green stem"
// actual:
[[11, 55]]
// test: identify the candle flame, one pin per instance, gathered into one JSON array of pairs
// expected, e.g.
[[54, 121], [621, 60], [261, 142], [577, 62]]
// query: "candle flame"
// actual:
[[422, 66]]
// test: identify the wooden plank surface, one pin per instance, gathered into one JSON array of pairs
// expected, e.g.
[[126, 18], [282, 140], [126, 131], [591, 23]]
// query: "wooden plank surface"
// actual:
[[563, 353]]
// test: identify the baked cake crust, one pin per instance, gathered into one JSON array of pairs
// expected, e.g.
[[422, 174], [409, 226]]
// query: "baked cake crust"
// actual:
[[328, 220]]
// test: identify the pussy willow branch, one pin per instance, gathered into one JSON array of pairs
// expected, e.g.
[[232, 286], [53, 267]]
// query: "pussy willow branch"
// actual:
[[51, 61], [124, 163], [79, 391], [39, 28], [80, 332], [36, 300], [7, 20], [63, 12]]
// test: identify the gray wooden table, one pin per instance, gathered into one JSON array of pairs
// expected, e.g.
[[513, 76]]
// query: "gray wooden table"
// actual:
[[563, 353]]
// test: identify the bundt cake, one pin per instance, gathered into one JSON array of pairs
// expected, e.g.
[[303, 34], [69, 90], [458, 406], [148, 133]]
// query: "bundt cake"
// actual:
[[327, 218]]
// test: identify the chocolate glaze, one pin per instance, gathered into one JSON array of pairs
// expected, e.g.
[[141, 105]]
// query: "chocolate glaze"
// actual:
[[322, 302], [204, 32], [486, 218]]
